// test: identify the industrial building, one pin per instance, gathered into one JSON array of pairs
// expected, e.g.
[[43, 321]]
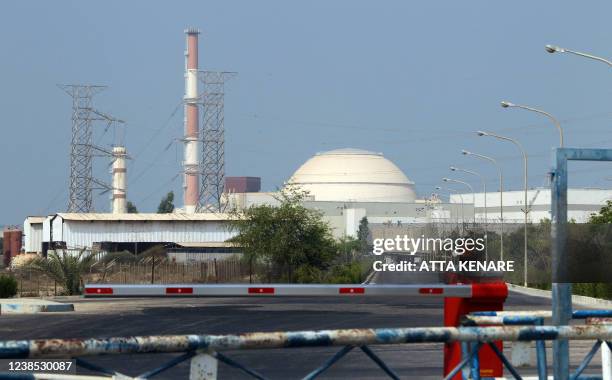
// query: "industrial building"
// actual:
[[353, 175], [11, 244], [206, 232], [349, 184], [581, 203], [242, 184]]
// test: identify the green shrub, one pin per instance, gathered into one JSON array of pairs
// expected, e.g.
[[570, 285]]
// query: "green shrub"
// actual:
[[307, 274], [351, 273], [8, 286]]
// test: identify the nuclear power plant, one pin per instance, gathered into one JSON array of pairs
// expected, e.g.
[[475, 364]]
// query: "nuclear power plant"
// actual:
[[345, 184]]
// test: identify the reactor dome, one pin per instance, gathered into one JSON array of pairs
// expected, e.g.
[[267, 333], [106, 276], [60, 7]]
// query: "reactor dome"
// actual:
[[353, 175]]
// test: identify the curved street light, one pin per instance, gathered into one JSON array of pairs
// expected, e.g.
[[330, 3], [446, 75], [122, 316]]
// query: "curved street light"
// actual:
[[450, 190], [501, 195], [556, 49], [526, 207], [506, 104], [471, 189], [484, 186]]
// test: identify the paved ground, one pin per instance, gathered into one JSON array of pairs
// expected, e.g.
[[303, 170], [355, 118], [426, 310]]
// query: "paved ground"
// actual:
[[32, 306], [124, 317]]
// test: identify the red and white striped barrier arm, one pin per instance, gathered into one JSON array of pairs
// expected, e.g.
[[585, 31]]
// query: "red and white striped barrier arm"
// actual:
[[246, 290]]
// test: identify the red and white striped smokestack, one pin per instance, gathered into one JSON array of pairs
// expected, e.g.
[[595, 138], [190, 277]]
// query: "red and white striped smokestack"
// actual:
[[191, 162]]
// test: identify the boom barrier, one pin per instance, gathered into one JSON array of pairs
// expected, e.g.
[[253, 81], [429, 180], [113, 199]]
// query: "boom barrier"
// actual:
[[237, 290], [459, 301]]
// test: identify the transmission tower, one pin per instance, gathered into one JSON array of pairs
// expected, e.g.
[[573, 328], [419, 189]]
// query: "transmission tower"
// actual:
[[212, 167], [82, 146]]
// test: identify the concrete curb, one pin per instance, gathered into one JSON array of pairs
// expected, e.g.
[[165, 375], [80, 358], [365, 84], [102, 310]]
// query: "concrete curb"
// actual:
[[578, 300], [32, 307], [370, 277]]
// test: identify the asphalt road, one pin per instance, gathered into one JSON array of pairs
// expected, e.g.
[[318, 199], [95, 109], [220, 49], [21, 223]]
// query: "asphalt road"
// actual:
[[154, 316]]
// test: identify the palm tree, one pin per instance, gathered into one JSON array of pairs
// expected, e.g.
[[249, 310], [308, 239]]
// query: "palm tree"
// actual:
[[65, 268]]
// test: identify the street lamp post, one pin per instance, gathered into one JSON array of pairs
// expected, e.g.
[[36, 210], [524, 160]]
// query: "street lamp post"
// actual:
[[501, 196], [484, 186], [460, 198], [471, 189], [561, 348], [506, 104], [526, 205], [556, 49]]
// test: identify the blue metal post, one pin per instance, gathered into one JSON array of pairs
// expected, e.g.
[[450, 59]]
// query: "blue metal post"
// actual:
[[561, 292], [475, 363], [465, 352], [541, 355], [561, 288]]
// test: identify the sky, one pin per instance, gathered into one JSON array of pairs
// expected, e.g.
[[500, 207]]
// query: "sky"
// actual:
[[410, 79]]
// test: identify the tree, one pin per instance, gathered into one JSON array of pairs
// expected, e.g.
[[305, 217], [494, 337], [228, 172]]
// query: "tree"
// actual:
[[604, 216], [65, 268], [131, 208], [8, 286], [293, 241], [363, 236], [166, 205]]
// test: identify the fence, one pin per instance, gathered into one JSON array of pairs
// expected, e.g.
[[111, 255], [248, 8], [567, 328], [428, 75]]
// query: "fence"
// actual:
[[536, 318], [205, 351], [165, 272], [32, 283]]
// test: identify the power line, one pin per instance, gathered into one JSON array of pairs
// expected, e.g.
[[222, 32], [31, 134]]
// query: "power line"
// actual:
[[151, 164], [157, 131], [165, 184], [427, 130]]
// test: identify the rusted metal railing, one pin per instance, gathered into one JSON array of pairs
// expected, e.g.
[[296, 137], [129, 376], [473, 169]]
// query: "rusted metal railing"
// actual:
[[536, 318], [205, 351]]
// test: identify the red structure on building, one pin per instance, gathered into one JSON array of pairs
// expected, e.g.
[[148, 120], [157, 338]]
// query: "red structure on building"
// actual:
[[242, 184], [11, 244]]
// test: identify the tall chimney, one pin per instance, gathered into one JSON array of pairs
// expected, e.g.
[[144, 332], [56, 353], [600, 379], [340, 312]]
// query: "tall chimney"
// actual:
[[191, 162], [119, 205]]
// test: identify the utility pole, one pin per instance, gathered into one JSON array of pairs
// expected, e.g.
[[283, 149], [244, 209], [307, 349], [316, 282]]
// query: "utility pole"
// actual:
[[212, 167], [82, 148]]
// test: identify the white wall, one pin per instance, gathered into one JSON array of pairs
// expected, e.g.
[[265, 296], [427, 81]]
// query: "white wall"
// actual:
[[79, 234], [581, 204], [33, 236], [352, 217]]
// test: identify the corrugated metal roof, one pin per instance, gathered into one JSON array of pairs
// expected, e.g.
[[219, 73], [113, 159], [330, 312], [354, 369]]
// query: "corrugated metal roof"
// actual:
[[35, 219], [89, 217]]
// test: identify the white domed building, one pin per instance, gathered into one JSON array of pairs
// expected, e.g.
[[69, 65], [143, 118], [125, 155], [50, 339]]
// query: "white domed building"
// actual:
[[349, 184], [353, 175]]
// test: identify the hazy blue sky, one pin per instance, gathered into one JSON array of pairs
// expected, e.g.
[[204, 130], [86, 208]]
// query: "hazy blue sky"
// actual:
[[410, 79]]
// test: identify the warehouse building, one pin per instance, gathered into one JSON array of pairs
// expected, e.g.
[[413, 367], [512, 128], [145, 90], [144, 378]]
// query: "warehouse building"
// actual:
[[581, 203], [33, 233], [204, 232]]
